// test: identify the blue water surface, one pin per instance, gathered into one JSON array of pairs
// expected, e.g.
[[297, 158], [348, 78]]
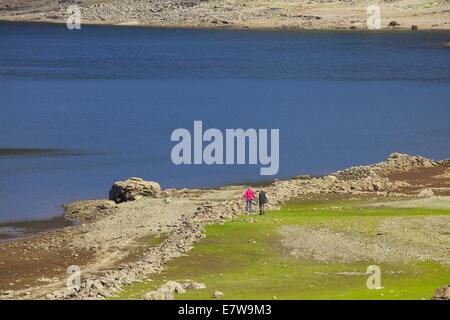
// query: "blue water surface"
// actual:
[[113, 95]]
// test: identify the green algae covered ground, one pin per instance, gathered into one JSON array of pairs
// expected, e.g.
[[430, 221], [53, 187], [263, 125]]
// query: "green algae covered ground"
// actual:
[[244, 259]]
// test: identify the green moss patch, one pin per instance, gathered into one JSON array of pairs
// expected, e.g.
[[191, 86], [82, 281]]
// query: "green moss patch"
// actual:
[[244, 259]]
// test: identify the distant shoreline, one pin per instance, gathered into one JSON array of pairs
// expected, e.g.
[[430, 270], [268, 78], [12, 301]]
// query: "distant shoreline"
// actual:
[[18, 152], [234, 27], [253, 15]]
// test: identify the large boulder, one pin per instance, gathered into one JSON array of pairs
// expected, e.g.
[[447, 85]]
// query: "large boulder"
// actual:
[[133, 189], [442, 293]]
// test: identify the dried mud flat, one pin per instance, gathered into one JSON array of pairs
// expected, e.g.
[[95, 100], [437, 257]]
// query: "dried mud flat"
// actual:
[[254, 14], [397, 240], [112, 247], [434, 202]]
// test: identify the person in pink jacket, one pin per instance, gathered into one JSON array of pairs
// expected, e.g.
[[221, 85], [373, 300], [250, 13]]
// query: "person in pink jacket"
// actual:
[[249, 196]]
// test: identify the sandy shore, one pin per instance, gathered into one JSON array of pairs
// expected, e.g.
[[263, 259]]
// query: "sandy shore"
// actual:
[[238, 14], [120, 243]]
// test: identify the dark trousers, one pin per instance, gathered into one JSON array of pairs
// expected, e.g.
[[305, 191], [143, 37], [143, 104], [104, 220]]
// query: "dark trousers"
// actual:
[[248, 205], [261, 208]]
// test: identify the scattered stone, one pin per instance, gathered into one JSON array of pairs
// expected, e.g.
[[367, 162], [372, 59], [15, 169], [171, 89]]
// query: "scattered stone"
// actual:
[[375, 174], [393, 24], [195, 285], [442, 293], [158, 295], [218, 294], [5, 292], [446, 162], [173, 287], [302, 177], [426, 193], [97, 285]]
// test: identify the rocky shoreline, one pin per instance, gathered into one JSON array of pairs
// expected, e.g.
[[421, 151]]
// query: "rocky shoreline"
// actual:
[[255, 14], [109, 227]]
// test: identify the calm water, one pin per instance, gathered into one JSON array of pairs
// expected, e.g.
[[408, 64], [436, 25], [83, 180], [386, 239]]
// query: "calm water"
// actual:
[[112, 96]]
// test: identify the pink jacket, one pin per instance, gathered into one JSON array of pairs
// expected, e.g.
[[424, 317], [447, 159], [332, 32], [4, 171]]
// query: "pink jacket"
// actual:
[[249, 194]]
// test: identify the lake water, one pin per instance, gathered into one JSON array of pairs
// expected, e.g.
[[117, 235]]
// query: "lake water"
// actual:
[[109, 97]]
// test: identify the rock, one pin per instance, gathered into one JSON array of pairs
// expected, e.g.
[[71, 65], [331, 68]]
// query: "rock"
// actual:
[[132, 189], [442, 293], [158, 295], [195, 285], [173, 287], [447, 44], [377, 185], [426, 193], [218, 294], [403, 162], [353, 173], [55, 295], [446, 162], [393, 24], [414, 27], [97, 285], [302, 177], [5, 292]]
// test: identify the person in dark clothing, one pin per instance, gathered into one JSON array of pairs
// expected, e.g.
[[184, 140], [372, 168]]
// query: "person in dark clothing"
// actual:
[[262, 200]]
